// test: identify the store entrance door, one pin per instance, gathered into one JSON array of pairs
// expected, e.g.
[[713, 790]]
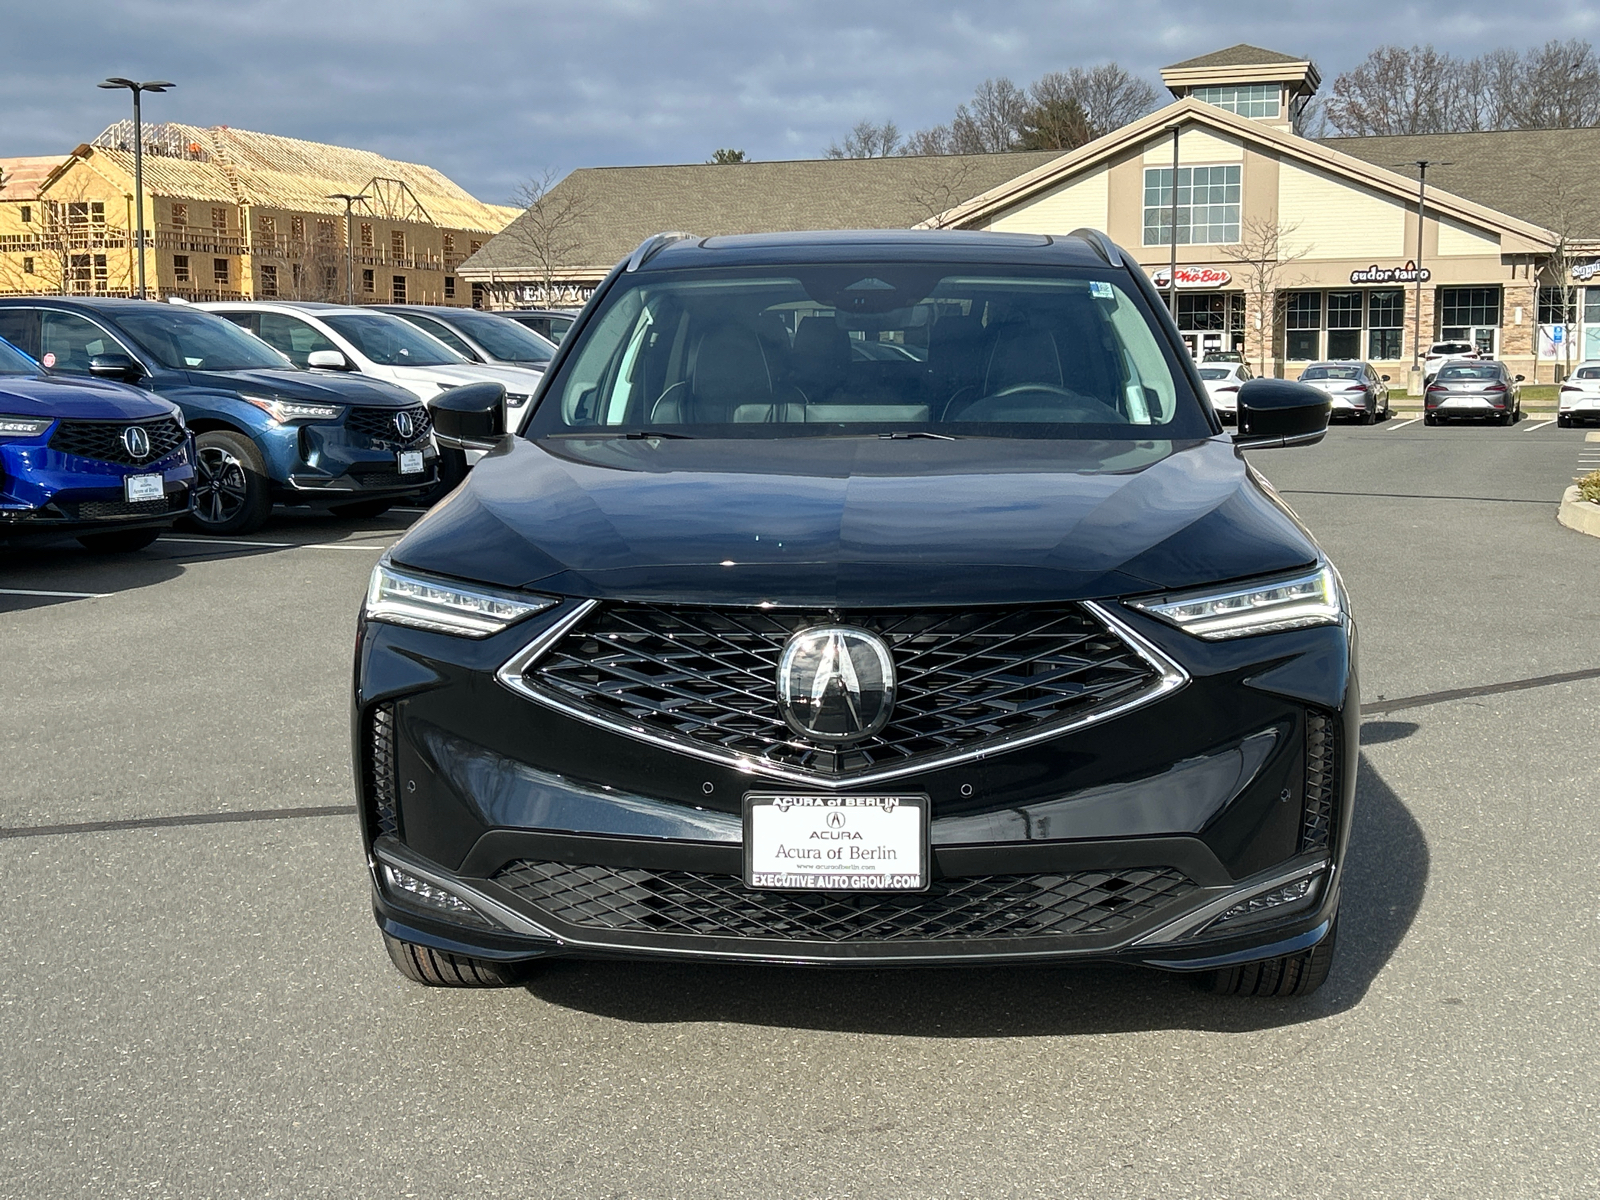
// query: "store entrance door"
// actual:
[[1483, 337]]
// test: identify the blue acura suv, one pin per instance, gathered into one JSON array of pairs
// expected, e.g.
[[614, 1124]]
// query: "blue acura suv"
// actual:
[[102, 462], [265, 431]]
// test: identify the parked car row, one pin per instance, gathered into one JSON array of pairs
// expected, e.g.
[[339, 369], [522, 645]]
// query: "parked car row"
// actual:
[[236, 409]]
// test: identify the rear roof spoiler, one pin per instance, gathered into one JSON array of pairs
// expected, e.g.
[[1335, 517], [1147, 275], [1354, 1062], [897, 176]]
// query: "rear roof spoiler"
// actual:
[[1101, 244], [651, 246]]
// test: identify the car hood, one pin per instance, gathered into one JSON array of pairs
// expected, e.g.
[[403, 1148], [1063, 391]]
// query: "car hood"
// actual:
[[857, 521], [328, 387], [515, 379], [82, 399]]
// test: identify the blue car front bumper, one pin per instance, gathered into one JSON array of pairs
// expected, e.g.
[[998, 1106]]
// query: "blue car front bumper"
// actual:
[[45, 492]]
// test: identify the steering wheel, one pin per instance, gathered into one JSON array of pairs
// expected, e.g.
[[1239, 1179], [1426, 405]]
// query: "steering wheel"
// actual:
[[1018, 390]]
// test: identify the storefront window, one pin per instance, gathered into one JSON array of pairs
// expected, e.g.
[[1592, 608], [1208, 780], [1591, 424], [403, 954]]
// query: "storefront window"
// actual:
[[1550, 305], [1386, 317], [1208, 206], [1469, 306], [1204, 311], [1303, 322], [1344, 324]]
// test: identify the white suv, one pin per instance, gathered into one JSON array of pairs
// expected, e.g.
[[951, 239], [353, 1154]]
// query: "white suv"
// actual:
[[339, 338], [1579, 398], [1442, 352]]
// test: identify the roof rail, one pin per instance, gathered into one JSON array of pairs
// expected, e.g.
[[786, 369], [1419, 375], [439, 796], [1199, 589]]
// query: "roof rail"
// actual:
[[1103, 246], [651, 246]]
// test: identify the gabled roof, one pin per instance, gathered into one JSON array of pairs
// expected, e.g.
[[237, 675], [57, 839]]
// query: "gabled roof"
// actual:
[[21, 178], [1541, 175], [238, 166], [618, 207], [1287, 146], [1242, 55]]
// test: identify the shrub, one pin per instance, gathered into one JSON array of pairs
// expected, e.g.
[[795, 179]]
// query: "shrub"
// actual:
[[1589, 486]]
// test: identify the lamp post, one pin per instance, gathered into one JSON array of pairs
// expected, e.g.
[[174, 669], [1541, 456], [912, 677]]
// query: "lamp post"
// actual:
[[1414, 383], [349, 250], [153, 85]]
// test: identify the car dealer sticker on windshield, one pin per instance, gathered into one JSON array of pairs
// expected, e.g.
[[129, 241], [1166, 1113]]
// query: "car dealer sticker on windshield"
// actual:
[[411, 462], [836, 843], [143, 487]]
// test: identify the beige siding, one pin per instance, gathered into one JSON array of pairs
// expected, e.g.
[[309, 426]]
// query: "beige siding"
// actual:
[[1456, 238], [1195, 147], [1338, 219], [1076, 203]]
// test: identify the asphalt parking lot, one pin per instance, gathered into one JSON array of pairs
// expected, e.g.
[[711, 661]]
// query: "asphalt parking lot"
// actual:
[[194, 1000]]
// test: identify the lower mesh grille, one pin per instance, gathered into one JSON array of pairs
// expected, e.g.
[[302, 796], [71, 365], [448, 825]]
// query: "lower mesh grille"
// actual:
[[96, 509], [1322, 780], [977, 906], [381, 772]]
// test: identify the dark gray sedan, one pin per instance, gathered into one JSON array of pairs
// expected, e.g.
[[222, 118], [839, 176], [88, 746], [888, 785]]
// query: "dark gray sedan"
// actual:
[[1473, 389], [1356, 389]]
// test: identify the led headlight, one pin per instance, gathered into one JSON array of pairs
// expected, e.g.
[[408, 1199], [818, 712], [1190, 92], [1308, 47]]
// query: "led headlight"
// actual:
[[284, 411], [444, 606], [23, 427], [1267, 606]]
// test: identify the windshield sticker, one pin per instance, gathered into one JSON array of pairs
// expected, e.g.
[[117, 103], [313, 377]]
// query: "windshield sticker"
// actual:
[[49, 360], [1100, 289]]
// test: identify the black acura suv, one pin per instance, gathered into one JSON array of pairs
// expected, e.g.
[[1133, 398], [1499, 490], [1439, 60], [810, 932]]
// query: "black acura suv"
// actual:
[[863, 599]]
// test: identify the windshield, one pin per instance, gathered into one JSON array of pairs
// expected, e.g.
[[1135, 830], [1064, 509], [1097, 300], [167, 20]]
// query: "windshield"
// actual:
[[391, 342], [185, 339], [841, 350], [1451, 348], [1216, 372], [1331, 373], [1466, 372], [505, 340], [15, 362]]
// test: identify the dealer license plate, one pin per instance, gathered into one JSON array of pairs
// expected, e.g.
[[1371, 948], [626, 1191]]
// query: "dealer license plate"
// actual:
[[143, 487], [410, 462], [836, 843]]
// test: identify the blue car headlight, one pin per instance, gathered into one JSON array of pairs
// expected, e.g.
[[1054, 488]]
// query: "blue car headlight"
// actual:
[[23, 427]]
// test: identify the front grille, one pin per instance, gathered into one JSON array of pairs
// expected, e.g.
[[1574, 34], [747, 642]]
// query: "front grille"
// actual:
[[1322, 780], [102, 440], [175, 502], [377, 424], [381, 772], [708, 678], [635, 900]]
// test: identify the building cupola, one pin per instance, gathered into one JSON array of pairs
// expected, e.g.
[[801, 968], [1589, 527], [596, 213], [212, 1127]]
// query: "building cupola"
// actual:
[[1260, 84]]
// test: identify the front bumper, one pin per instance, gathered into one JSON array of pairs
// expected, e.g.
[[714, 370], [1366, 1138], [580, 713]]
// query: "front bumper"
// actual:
[[45, 493], [1121, 842]]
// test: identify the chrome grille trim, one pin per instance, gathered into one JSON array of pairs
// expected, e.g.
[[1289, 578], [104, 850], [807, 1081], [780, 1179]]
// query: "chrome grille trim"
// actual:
[[1169, 678]]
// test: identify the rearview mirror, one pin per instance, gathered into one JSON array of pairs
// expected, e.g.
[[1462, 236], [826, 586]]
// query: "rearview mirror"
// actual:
[[471, 416], [328, 360], [122, 367], [1278, 412]]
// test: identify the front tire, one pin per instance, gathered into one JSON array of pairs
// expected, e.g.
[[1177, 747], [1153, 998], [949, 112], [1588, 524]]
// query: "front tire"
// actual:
[[1563, 422], [231, 492], [437, 968], [1292, 975], [121, 541], [1429, 419]]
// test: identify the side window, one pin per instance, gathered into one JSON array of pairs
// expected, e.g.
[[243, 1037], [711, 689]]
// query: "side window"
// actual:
[[293, 336], [20, 327], [244, 320], [67, 341], [448, 336]]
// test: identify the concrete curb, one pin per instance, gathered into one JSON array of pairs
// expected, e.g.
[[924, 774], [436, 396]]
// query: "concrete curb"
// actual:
[[1578, 513]]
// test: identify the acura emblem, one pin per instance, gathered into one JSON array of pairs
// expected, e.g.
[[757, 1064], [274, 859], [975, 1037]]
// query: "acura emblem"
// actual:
[[835, 683], [136, 441], [404, 425]]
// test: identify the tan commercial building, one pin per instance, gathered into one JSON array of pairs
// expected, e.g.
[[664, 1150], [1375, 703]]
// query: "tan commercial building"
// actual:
[[1289, 249], [231, 215]]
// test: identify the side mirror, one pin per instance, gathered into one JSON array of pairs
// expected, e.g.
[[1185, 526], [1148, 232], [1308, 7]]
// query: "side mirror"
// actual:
[[328, 360], [122, 367], [1385, 378], [1278, 412], [1520, 378], [471, 416]]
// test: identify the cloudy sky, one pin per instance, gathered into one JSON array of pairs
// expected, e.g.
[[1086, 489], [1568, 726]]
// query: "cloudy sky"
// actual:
[[494, 91]]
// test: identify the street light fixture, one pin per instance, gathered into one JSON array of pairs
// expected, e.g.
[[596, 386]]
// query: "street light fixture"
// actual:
[[153, 85], [349, 251]]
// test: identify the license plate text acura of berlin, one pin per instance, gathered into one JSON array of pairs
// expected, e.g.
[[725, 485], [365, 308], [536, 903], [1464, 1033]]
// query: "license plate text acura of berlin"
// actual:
[[863, 600]]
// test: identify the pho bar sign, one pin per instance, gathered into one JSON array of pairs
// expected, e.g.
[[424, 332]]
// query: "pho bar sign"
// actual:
[[1193, 277], [1406, 274]]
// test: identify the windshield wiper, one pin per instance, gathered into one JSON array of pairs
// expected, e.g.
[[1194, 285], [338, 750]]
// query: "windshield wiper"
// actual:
[[632, 435], [918, 433]]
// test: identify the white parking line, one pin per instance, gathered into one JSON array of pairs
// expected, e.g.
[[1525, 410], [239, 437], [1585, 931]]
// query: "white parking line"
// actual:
[[275, 545], [1403, 424], [342, 546], [1540, 425], [55, 595]]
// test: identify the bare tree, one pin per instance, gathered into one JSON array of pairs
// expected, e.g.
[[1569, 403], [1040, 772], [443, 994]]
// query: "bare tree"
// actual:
[[1396, 90], [992, 122], [1560, 87], [1567, 212], [867, 140], [940, 185], [547, 230], [928, 141], [1263, 253]]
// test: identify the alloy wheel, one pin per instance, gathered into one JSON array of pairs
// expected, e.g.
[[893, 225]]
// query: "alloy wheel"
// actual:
[[221, 490]]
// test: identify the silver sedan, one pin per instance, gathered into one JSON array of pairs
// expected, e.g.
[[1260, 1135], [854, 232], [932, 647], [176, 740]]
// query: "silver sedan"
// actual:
[[1356, 389]]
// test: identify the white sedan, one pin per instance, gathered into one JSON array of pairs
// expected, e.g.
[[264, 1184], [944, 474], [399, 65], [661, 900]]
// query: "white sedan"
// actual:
[[1223, 381], [1579, 399]]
